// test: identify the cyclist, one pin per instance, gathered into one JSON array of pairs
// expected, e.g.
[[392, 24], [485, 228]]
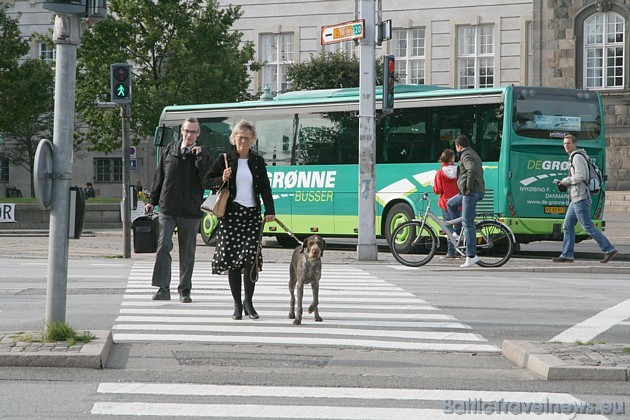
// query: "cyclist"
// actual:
[[471, 189]]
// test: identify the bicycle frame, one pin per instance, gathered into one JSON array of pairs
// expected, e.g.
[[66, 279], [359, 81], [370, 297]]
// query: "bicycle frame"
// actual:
[[443, 224], [458, 240]]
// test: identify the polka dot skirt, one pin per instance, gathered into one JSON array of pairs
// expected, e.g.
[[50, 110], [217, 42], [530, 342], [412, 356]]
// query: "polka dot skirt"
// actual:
[[238, 238]]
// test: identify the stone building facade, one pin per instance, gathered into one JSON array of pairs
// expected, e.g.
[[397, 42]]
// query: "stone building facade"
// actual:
[[566, 51], [531, 42]]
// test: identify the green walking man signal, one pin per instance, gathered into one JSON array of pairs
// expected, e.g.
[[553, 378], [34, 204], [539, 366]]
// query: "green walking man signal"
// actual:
[[120, 82]]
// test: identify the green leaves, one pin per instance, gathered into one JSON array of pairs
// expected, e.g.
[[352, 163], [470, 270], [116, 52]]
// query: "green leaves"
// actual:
[[182, 52]]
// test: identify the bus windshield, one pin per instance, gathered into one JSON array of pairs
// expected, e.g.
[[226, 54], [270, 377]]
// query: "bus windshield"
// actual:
[[551, 113]]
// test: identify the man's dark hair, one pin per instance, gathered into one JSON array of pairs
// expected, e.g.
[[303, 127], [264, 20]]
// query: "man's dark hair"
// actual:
[[88, 184], [462, 140]]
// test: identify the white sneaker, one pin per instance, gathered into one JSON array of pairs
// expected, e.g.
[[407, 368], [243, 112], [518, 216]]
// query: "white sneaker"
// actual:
[[470, 261]]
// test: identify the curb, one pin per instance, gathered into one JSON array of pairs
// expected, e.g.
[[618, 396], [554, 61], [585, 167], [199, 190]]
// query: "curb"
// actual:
[[543, 363], [92, 355]]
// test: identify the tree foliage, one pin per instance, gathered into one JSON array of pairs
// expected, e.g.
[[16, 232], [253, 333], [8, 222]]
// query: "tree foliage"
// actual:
[[328, 71], [182, 52], [26, 96]]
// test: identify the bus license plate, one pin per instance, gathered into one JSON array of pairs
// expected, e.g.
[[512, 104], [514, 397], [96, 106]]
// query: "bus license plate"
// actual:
[[555, 210]]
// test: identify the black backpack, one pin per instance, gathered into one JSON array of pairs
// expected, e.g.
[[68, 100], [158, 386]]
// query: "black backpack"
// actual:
[[595, 179]]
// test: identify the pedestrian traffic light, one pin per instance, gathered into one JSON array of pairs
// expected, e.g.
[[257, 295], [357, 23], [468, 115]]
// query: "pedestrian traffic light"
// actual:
[[389, 78], [121, 83]]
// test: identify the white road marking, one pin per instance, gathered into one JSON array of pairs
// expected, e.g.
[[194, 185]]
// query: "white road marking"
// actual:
[[589, 329], [417, 335], [359, 310], [382, 402], [303, 341]]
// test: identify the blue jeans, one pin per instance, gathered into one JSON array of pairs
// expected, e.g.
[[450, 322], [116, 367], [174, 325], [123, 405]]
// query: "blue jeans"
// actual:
[[450, 249], [580, 211], [468, 204]]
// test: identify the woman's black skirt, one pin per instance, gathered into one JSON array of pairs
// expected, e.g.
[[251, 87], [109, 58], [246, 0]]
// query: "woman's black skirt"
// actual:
[[238, 238]]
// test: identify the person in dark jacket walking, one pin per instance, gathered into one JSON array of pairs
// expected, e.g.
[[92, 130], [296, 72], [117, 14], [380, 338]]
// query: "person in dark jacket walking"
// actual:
[[177, 188], [238, 250], [472, 188]]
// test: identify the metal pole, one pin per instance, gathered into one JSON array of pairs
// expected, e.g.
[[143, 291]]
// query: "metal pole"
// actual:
[[66, 37], [125, 114], [366, 248]]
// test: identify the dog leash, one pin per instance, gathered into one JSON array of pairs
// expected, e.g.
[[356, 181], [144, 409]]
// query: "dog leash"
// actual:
[[286, 229], [253, 273]]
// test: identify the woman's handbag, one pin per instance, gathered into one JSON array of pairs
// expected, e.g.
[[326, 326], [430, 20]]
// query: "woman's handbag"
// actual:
[[217, 203]]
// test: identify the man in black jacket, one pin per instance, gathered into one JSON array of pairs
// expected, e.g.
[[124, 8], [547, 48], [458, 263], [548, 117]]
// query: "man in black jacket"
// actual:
[[178, 190]]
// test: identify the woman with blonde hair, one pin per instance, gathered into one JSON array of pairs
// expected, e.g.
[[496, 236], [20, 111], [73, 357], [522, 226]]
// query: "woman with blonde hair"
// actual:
[[239, 231]]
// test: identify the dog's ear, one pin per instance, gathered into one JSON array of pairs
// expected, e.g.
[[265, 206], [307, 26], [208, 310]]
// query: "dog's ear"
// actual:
[[323, 246], [304, 246]]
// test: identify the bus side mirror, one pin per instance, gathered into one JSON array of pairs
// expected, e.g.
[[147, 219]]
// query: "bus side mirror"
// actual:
[[163, 136]]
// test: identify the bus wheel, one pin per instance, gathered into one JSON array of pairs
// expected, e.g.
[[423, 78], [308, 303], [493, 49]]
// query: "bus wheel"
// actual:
[[208, 229], [398, 214], [286, 241]]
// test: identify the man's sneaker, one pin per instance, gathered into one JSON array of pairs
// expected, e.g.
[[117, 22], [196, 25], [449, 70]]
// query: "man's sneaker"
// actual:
[[163, 293], [184, 296], [470, 262], [561, 259], [609, 256]]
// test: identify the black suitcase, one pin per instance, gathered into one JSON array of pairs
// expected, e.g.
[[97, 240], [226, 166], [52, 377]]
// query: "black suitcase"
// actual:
[[145, 234]]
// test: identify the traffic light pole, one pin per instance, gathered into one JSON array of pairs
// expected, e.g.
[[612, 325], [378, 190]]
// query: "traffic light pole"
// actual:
[[367, 249], [125, 114], [66, 36]]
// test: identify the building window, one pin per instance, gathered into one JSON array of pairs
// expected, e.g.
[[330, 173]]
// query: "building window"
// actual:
[[604, 51], [277, 52], [108, 169], [348, 48], [4, 169], [409, 52], [475, 56], [47, 53], [529, 33]]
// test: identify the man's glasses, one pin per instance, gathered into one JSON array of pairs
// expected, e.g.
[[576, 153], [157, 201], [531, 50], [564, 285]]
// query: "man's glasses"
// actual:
[[189, 131], [243, 138]]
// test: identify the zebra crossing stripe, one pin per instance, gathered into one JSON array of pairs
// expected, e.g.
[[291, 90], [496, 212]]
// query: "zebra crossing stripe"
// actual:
[[329, 322], [304, 341], [386, 399], [262, 411], [279, 314], [331, 392], [418, 335], [360, 311]]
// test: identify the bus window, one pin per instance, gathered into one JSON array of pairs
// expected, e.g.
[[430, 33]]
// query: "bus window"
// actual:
[[402, 137], [215, 136], [275, 134], [327, 138], [550, 113]]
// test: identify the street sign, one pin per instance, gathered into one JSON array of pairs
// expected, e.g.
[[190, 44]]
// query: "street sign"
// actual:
[[132, 152], [133, 164], [346, 31]]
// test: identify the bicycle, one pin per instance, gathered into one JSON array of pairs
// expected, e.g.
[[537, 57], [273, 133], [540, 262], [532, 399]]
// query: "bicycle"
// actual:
[[414, 243]]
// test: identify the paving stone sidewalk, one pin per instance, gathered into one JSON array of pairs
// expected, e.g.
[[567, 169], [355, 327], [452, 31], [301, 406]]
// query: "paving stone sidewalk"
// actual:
[[17, 349]]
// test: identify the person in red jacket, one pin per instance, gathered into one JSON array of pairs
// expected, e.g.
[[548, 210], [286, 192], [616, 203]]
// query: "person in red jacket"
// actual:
[[445, 185]]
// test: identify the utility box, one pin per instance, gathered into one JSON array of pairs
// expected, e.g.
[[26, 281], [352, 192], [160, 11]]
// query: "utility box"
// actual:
[[68, 7], [76, 212]]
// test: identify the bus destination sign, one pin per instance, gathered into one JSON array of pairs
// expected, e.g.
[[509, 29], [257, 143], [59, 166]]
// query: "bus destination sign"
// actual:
[[340, 32]]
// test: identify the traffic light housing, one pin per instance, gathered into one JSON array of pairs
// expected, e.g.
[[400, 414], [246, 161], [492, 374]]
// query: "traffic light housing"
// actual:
[[121, 83], [389, 79]]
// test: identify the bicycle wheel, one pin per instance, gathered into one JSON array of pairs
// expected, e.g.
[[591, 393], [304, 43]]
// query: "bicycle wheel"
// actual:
[[413, 244], [494, 243]]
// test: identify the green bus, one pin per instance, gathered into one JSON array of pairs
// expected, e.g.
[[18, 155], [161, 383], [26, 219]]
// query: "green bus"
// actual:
[[310, 141]]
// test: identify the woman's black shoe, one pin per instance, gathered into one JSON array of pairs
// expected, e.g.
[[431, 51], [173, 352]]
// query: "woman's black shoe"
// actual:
[[250, 311], [238, 310]]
